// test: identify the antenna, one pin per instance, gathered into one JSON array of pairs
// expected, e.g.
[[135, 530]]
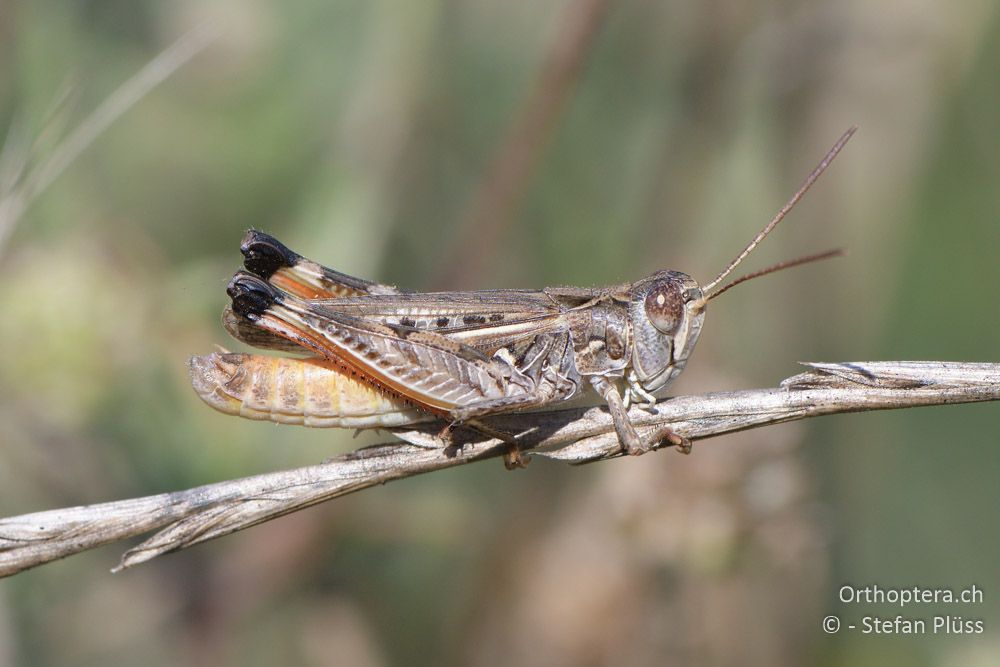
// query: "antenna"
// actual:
[[762, 234], [787, 264]]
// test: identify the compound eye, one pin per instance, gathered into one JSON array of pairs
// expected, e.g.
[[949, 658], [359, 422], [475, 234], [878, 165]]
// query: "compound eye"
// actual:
[[665, 308]]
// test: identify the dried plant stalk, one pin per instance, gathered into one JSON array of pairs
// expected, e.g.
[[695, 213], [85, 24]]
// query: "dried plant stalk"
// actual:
[[185, 518]]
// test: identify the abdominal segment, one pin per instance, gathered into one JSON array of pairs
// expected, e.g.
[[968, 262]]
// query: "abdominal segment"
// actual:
[[308, 392]]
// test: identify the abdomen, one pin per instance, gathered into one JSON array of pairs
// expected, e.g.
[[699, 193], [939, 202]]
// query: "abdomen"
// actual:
[[307, 392]]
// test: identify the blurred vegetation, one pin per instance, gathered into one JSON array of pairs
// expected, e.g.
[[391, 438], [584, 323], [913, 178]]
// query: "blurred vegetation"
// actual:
[[361, 133]]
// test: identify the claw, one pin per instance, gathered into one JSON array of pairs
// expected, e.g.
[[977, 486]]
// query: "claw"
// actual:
[[514, 459], [681, 443]]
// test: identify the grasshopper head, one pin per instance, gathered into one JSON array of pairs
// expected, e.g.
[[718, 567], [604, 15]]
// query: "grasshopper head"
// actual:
[[666, 311]]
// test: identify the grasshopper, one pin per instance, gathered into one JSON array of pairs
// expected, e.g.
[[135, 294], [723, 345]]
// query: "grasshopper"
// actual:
[[460, 356]]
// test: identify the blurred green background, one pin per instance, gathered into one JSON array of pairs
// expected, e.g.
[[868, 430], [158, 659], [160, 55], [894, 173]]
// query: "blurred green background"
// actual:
[[372, 136]]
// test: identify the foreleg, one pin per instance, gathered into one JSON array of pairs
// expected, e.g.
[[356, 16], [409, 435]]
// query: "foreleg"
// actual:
[[632, 443]]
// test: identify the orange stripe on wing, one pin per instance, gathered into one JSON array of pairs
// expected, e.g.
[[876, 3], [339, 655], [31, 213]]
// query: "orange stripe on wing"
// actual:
[[287, 283], [291, 280], [366, 373]]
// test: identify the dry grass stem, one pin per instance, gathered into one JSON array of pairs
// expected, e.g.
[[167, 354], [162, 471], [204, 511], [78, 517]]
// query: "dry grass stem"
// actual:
[[582, 435]]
